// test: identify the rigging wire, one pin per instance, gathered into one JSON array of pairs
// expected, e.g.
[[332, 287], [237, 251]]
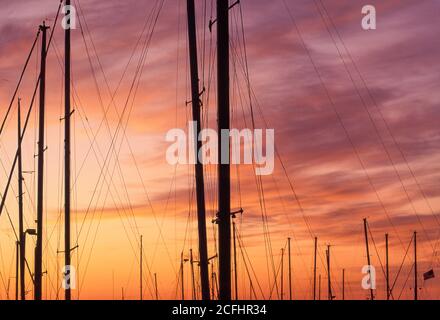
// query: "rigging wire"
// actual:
[[86, 117], [364, 104], [27, 117], [259, 180], [19, 82], [401, 266], [387, 126], [133, 88], [355, 150]]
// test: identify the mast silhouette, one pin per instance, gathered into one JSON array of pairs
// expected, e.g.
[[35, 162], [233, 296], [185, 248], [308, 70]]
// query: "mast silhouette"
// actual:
[[319, 288], [214, 286], [182, 274], [343, 284], [141, 278], [387, 267], [155, 287], [282, 273], [40, 184], [67, 114], [200, 188], [416, 293], [290, 268], [329, 283], [193, 276], [234, 236], [20, 209], [17, 262], [368, 258], [314, 271], [224, 174]]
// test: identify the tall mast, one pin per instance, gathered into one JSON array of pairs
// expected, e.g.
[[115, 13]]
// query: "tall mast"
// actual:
[[314, 270], [387, 266], [200, 188], [182, 287], [214, 285], [140, 272], [343, 284], [40, 184], [319, 288], [290, 268], [416, 293], [224, 174], [234, 237], [193, 277], [368, 257], [20, 210], [155, 286], [329, 283], [17, 262], [282, 273], [67, 114]]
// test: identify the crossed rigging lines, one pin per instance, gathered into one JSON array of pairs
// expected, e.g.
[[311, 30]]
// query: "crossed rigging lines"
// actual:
[[105, 170], [4, 196], [324, 12], [151, 22]]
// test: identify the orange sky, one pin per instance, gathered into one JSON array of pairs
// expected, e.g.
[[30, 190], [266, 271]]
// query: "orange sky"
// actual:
[[345, 161]]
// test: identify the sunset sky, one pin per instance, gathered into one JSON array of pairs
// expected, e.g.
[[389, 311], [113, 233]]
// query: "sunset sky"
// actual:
[[355, 115]]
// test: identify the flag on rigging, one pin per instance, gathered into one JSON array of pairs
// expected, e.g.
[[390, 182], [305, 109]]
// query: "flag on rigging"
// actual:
[[429, 275]]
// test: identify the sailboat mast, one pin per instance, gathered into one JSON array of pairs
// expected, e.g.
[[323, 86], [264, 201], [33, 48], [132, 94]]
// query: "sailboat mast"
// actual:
[[155, 287], [213, 281], [416, 293], [224, 174], [20, 209], [40, 184], [329, 283], [67, 114], [368, 256], [343, 284], [17, 262], [234, 237], [200, 188], [141, 278], [182, 274], [387, 266], [314, 270], [290, 268], [193, 277], [282, 273], [319, 288]]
